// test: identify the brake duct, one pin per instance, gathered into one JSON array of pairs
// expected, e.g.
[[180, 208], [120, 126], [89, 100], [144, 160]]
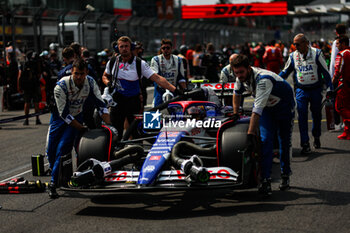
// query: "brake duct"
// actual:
[[93, 171], [192, 167]]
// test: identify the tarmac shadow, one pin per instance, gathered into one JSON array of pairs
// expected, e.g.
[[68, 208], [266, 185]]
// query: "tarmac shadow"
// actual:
[[317, 153], [179, 205]]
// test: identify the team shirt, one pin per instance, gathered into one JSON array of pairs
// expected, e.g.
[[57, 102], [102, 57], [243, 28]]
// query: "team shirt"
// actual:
[[307, 70], [70, 99], [342, 69], [273, 59], [342, 76], [128, 79], [171, 69], [65, 71], [269, 90], [227, 74]]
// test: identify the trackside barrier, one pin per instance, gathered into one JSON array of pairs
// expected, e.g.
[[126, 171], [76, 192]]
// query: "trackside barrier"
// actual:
[[7, 120]]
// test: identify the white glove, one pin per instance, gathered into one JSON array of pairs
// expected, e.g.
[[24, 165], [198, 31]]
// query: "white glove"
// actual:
[[167, 95], [107, 97]]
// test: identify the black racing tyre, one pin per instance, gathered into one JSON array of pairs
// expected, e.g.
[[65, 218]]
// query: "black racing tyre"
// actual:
[[233, 151], [234, 154], [95, 143], [233, 141]]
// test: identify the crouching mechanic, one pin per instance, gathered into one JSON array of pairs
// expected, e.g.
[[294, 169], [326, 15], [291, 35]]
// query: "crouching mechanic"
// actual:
[[66, 119], [273, 111]]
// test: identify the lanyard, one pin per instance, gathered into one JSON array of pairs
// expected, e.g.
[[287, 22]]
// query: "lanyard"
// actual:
[[115, 82]]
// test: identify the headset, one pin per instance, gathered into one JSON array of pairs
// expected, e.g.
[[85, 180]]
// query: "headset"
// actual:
[[116, 49]]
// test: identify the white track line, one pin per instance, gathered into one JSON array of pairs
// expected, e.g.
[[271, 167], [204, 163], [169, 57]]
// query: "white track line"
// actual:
[[20, 174]]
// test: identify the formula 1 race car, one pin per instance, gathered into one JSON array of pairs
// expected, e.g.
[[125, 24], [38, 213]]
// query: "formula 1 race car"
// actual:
[[188, 142]]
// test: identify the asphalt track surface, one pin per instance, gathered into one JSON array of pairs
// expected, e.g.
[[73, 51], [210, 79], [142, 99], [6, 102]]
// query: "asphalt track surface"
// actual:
[[319, 200]]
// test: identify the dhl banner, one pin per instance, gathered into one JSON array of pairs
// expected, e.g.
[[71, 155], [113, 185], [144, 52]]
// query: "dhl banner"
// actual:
[[234, 10]]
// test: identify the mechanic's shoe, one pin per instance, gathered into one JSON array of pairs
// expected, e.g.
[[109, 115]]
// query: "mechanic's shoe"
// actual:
[[338, 128], [265, 188], [276, 157], [317, 143], [38, 122], [26, 122], [306, 149], [344, 136], [284, 183], [52, 191]]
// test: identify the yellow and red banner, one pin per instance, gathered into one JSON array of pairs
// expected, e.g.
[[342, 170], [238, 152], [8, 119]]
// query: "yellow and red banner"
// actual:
[[8, 30], [234, 10]]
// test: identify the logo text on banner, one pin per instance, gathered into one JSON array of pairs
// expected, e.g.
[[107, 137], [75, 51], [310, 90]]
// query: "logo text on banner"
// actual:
[[234, 10]]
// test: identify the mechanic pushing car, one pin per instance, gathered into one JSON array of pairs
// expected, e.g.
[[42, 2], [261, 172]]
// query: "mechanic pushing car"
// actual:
[[66, 119], [273, 111]]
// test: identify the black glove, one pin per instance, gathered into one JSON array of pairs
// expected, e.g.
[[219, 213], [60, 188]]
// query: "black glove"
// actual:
[[252, 142], [114, 130], [178, 92], [83, 129], [330, 94]]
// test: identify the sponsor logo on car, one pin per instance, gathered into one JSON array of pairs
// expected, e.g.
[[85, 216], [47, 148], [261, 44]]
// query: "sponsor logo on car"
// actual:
[[149, 168], [154, 157]]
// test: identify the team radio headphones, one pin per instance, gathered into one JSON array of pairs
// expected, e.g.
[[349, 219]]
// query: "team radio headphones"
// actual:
[[116, 49]]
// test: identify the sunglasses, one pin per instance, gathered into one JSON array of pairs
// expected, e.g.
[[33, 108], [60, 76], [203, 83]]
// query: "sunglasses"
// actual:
[[165, 47], [297, 44], [79, 73]]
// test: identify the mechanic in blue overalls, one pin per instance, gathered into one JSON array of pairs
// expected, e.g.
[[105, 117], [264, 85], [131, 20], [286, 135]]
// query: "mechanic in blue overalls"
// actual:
[[170, 67], [66, 119], [273, 111], [308, 65]]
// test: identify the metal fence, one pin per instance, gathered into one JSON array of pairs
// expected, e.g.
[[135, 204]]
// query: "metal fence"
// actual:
[[35, 28], [190, 32]]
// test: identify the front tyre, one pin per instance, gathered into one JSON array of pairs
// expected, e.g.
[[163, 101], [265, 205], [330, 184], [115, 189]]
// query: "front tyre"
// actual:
[[233, 152]]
